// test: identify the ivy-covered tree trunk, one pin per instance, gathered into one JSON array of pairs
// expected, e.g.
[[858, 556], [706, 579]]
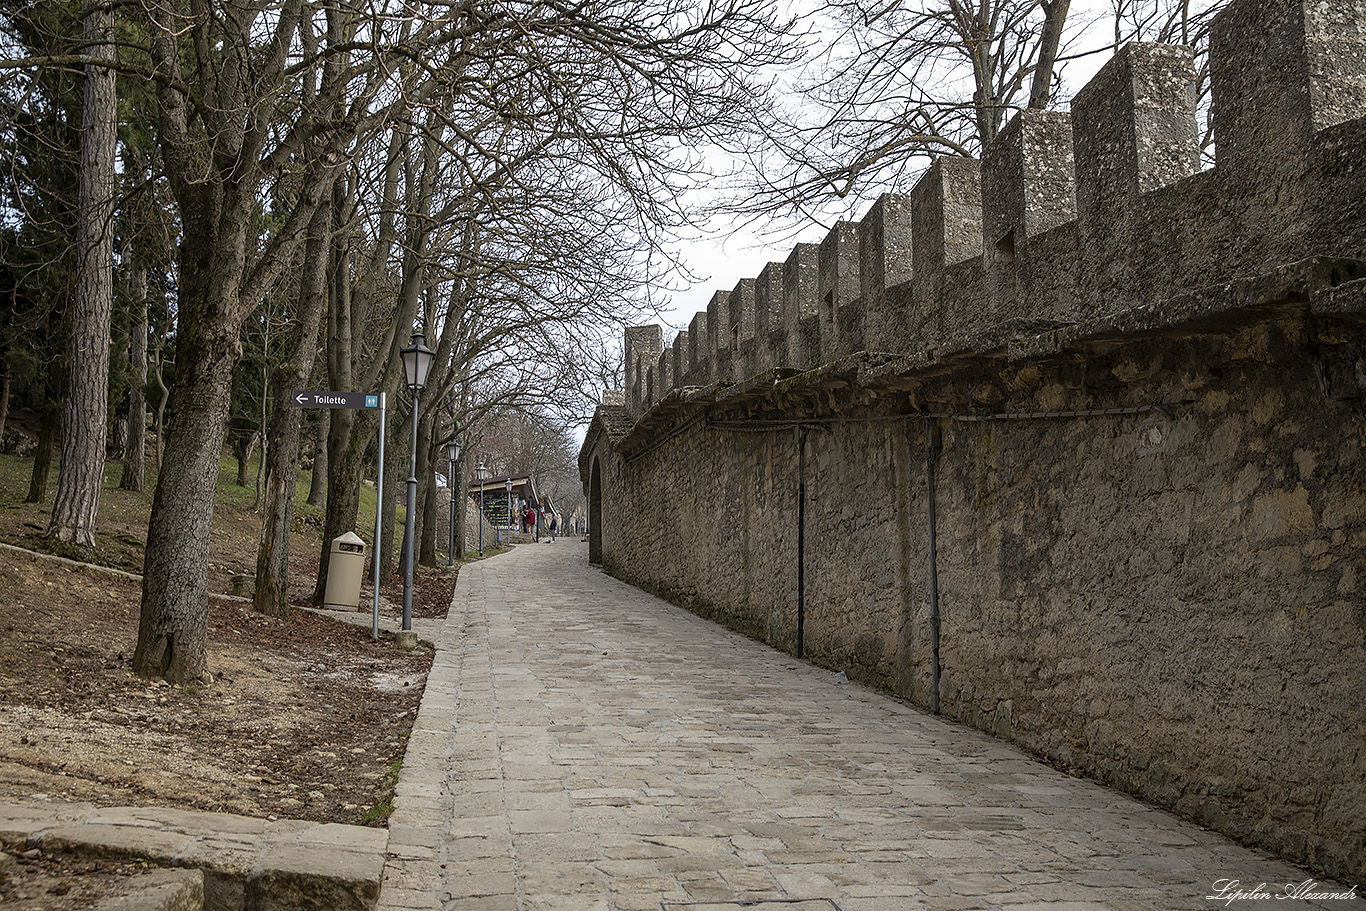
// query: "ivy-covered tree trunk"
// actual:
[[85, 418], [282, 449]]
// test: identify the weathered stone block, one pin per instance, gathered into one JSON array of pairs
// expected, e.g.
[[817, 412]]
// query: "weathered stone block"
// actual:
[[699, 354], [719, 336], [1027, 189], [839, 282], [1134, 131], [946, 225]]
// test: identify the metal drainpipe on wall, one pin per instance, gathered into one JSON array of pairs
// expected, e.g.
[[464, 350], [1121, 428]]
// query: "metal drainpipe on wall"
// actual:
[[800, 434], [933, 441]]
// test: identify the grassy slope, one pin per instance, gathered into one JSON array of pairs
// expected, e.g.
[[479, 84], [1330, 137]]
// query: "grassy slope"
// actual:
[[122, 526]]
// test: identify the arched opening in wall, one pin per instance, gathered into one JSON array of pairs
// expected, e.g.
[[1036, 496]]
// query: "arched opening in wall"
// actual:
[[595, 513]]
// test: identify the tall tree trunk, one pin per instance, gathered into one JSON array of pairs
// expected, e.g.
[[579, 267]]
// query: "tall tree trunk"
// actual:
[[47, 432], [264, 429], [261, 470], [242, 449], [317, 486], [135, 456], [173, 626], [163, 395], [395, 475], [426, 492], [345, 463], [5, 374], [282, 445], [173, 632], [345, 431], [119, 443], [462, 499], [85, 419], [1054, 18]]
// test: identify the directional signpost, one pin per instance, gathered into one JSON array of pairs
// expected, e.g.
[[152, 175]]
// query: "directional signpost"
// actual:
[[309, 398]]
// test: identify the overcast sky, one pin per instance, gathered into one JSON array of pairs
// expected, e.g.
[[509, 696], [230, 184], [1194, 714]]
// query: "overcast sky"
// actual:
[[730, 255]]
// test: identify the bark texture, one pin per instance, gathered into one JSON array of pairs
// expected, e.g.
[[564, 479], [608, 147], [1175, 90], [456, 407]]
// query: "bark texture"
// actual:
[[317, 487], [135, 455], [282, 448], [84, 420], [47, 435], [172, 634]]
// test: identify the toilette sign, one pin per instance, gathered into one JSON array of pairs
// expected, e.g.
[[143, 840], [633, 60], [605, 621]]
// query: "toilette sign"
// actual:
[[311, 399]]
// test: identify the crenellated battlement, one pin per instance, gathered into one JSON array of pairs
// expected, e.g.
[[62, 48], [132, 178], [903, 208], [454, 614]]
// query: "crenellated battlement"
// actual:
[[1064, 444], [1071, 217]]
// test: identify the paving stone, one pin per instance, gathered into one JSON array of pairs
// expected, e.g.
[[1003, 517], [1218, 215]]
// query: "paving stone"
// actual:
[[598, 748]]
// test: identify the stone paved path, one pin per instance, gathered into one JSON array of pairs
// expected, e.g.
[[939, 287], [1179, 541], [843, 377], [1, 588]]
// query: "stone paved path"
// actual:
[[584, 746]]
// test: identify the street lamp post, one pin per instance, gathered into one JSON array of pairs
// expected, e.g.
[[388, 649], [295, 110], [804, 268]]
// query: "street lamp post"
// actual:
[[417, 362], [482, 472], [452, 456]]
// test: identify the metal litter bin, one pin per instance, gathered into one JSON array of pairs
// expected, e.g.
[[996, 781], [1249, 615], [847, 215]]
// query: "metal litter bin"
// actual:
[[344, 573]]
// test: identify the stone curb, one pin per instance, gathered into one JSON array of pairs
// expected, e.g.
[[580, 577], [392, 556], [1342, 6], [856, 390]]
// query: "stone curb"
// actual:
[[69, 563], [159, 890], [39, 557], [412, 880], [285, 865]]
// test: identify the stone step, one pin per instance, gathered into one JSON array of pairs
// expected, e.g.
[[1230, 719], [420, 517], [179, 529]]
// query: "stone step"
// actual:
[[284, 865], [158, 890]]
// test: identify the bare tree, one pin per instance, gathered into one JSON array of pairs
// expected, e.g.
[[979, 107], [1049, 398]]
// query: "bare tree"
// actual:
[[282, 450], [1173, 22], [893, 84], [232, 119], [562, 147]]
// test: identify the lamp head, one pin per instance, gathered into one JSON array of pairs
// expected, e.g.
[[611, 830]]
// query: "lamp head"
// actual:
[[417, 362]]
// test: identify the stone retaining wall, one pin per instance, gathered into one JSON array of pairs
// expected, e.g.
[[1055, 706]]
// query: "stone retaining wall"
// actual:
[[1141, 396]]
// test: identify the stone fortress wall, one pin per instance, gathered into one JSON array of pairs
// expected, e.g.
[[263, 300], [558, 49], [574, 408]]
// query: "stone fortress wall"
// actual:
[[1067, 443]]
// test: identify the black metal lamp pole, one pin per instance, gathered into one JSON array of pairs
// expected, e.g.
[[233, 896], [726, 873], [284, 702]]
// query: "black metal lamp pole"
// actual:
[[452, 456], [417, 361], [483, 472]]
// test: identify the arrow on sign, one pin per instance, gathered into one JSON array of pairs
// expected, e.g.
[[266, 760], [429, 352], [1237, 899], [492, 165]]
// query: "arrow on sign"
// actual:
[[312, 399]]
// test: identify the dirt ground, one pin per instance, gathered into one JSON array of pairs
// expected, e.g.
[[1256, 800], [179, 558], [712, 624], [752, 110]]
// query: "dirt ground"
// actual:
[[306, 718]]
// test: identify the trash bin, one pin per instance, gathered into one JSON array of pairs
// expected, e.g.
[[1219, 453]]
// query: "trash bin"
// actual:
[[344, 573]]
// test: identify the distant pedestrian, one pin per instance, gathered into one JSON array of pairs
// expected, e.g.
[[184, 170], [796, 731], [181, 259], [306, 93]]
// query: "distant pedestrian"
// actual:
[[531, 523], [554, 525]]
